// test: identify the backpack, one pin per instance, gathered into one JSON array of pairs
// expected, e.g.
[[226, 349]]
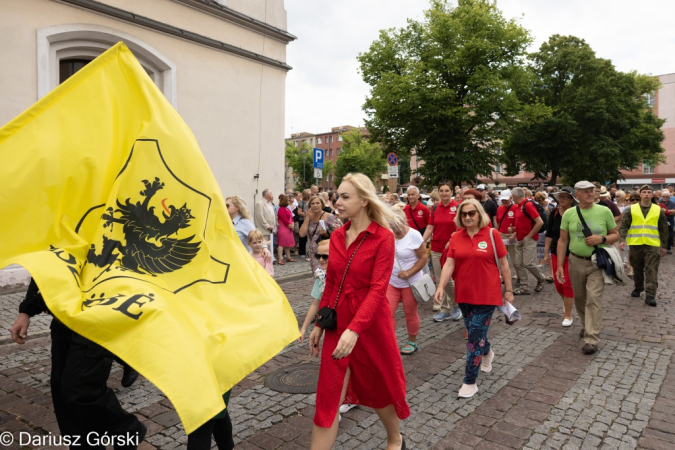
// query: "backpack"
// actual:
[[540, 210]]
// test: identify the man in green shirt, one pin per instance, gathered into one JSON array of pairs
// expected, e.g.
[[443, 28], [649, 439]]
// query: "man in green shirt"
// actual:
[[586, 279]]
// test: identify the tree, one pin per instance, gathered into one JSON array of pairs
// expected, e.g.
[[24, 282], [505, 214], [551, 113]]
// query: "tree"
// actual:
[[359, 155], [294, 157], [583, 119], [446, 86]]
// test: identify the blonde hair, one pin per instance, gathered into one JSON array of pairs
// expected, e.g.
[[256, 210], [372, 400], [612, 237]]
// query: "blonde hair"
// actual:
[[401, 223], [483, 219], [325, 242], [433, 195], [240, 204], [255, 235], [376, 210], [318, 197]]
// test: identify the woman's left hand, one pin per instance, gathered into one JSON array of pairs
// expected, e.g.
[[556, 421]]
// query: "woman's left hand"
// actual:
[[345, 345], [267, 256], [404, 274], [508, 296]]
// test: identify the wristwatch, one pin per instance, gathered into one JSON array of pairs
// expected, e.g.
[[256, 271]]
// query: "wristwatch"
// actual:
[[604, 239]]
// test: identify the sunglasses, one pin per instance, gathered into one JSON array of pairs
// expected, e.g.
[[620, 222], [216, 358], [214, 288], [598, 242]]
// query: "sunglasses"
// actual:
[[227, 205], [319, 256], [471, 213]]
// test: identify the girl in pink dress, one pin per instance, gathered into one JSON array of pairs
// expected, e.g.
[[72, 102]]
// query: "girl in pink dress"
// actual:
[[257, 243]]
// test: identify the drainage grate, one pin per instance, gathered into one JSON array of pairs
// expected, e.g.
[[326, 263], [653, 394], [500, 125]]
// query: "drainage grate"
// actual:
[[300, 379]]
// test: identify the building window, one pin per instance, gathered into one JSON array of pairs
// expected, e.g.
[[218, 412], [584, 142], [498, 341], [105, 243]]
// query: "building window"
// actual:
[[62, 50], [340, 138], [499, 168], [319, 141], [647, 167], [650, 100]]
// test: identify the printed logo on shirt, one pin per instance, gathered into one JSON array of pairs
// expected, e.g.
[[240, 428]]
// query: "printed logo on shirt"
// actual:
[[482, 245], [453, 209], [510, 214], [419, 213]]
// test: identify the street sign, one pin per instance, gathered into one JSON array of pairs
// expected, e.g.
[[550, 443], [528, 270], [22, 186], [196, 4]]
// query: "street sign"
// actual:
[[392, 159], [392, 171], [318, 159], [318, 173]]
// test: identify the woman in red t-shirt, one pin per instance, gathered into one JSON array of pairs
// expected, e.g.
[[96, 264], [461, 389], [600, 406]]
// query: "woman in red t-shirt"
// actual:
[[471, 258], [360, 360]]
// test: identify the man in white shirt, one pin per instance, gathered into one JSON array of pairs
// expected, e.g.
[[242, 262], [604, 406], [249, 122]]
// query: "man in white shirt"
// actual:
[[265, 218]]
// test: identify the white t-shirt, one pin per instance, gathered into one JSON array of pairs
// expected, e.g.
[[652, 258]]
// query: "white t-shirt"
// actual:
[[405, 250]]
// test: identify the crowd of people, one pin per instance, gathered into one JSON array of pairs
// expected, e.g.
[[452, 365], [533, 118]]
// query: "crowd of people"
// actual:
[[477, 245]]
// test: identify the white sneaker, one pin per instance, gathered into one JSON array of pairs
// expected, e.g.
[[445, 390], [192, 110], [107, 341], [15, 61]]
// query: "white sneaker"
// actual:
[[467, 391], [567, 322], [346, 407], [486, 362]]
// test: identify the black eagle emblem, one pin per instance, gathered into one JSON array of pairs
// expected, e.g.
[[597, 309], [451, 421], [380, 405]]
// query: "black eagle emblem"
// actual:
[[148, 247]]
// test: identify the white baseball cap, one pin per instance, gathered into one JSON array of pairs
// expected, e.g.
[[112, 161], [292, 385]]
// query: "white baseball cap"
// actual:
[[480, 187], [505, 195]]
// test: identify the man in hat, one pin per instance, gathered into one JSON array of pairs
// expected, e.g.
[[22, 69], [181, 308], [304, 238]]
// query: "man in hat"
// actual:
[[645, 229], [506, 218], [586, 279], [489, 206]]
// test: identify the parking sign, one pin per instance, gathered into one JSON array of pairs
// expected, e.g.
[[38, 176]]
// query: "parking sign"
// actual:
[[318, 158]]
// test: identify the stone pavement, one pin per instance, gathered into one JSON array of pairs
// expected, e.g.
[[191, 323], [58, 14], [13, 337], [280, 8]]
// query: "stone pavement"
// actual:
[[542, 393]]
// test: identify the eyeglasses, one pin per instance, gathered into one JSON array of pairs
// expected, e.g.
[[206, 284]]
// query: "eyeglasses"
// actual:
[[471, 213], [227, 205], [319, 256]]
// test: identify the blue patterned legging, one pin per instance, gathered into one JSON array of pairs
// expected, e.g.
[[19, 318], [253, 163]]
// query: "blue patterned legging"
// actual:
[[477, 320]]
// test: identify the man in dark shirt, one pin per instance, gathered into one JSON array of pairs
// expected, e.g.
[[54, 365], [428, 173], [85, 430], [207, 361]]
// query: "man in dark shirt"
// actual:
[[83, 403], [668, 207], [489, 206], [604, 200]]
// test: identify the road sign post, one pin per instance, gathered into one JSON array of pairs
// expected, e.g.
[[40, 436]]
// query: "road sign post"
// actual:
[[317, 163]]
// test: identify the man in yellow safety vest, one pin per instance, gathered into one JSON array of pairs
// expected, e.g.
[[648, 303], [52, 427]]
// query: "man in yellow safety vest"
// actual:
[[645, 229]]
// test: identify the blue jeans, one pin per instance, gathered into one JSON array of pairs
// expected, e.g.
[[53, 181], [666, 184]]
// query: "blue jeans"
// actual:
[[477, 320]]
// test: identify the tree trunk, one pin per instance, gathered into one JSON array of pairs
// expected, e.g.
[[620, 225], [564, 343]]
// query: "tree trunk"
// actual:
[[554, 178]]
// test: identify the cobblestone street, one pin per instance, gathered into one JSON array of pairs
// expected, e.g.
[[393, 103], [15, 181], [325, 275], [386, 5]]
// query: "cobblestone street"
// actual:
[[542, 393]]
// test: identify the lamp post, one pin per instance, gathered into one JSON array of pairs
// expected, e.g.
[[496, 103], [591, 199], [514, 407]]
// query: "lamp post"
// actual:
[[304, 157]]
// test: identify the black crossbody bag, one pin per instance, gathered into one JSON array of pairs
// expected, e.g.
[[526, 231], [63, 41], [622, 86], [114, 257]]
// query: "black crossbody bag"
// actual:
[[326, 318]]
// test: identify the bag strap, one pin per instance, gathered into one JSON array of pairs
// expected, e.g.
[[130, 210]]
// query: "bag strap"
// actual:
[[412, 216], [583, 223], [494, 249], [347, 268], [505, 213]]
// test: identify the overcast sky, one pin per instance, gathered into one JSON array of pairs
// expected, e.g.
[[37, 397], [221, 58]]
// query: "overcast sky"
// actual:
[[324, 89]]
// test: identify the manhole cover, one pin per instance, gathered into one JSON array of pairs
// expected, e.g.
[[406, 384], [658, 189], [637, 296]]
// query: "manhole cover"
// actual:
[[546, 314], [300, 379]]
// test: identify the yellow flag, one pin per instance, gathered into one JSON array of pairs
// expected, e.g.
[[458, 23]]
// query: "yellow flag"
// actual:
[[110, 205]]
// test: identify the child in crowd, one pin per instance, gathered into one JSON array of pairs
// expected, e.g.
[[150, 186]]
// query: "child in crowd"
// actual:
[[319, 284], [256, 242]]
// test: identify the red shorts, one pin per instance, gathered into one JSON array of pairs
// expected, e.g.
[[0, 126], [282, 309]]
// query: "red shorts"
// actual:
[[564, 289]]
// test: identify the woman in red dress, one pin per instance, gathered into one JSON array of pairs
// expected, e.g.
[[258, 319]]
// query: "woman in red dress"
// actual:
[[360, 361]]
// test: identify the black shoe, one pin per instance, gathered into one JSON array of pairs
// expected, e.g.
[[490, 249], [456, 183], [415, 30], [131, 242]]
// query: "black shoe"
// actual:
[[129, 376], [650, 301], [589, 349], [636, 293]]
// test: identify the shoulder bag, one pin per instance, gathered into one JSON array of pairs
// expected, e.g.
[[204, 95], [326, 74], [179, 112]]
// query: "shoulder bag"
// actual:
[[326, 318], [422, 289], [511, 314]]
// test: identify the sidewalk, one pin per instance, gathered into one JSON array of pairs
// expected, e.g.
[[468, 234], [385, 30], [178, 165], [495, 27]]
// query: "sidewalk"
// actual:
[[542, 393]]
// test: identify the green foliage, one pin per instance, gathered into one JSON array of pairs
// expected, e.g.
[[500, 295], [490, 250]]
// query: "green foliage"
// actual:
[[359, 155], [446, 86], [294, 160], [582, 119]]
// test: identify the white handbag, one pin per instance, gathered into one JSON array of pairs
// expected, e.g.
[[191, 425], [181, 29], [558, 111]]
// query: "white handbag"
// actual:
[[422, 289]]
